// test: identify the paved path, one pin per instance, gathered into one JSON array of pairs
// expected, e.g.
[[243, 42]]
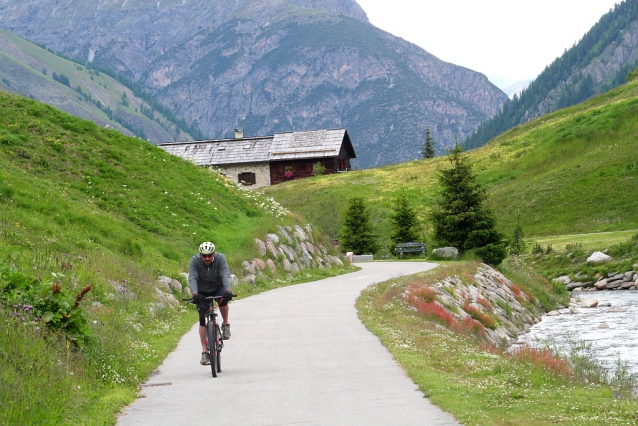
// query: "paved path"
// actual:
[[298, 356]]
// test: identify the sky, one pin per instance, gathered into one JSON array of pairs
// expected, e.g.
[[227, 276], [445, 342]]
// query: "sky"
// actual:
[[507, 40]]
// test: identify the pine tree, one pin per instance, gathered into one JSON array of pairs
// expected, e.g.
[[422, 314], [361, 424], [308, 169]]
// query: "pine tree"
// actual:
[[404, 220], [462, 219], [357, 234], [517, 246], [428, 146]]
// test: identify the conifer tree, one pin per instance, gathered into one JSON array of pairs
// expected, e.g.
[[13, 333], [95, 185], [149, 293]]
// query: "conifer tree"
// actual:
[[462, 219], [404, 220], [428, 146], [517, 246], [357, 234]]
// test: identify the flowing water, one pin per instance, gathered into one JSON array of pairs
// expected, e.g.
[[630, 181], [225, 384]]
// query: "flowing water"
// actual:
[[612, 331]]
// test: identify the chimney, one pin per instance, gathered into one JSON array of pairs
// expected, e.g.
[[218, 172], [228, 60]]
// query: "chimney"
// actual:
[[239, 131]]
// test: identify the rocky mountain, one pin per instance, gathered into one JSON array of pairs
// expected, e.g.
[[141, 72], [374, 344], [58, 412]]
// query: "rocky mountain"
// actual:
[[281, 65], [599, 62], [31, 71]]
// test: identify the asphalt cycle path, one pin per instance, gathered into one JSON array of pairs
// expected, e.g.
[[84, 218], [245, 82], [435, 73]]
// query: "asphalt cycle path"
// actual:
[[299, 355]]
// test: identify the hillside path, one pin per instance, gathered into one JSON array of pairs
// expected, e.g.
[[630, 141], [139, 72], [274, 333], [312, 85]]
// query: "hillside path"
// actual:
[[298, 355]]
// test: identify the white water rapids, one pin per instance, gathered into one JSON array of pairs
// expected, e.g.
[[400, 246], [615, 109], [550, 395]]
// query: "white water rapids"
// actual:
[[612, 331]]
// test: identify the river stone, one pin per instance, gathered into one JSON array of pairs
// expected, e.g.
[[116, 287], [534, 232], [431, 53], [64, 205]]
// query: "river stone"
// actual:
[[613, 284], [603, 325], [553, 314], [575, 311], [578, 289], [563, 279], [261, 247], [572, 286], [599, 257], [605, 305], [589, 303], [601, 284], [446, 252], [627, 276], [626, 286], [617, 310]]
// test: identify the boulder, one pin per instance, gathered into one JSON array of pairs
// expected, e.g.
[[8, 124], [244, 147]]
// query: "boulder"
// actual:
[[309, 233], [300, 234], [572, 286], [233, 280], [271, 265], [589, 303], [563, 279], [164, 282], [176, 286], [260, 265], [599, 257], [250, 279], [261, 247], [601, 284], [285, 263], [248, 267], [553, 314], [284, 234], [603, 325], [270, 245], [446, 252], [273, 237]]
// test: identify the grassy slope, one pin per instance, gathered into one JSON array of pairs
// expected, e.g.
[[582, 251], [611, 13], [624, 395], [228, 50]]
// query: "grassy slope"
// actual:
[[82, 204], [572, 171], [23, 71]]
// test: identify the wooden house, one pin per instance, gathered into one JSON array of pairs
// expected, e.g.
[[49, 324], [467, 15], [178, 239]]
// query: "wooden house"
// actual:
[[268, 160]]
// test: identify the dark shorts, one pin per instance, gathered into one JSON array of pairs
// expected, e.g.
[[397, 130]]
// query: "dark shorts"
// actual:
[[202, 308]]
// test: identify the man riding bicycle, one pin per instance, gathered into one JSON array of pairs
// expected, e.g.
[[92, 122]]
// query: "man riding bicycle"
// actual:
[[209, 276]]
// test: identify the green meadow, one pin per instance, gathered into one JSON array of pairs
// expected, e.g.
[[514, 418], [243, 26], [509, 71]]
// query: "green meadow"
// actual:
[[89, 220]]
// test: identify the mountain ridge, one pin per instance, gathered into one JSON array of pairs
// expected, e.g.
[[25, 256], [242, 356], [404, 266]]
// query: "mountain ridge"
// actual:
[[280, 65]]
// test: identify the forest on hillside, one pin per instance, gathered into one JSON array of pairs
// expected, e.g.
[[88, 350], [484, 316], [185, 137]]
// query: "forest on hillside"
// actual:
[[534, 100]]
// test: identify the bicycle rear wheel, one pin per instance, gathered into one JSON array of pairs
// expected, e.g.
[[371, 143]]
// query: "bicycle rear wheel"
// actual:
[[211, 336]]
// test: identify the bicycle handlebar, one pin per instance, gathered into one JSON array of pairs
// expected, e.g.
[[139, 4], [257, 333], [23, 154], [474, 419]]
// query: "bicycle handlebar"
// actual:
[[190, 299]]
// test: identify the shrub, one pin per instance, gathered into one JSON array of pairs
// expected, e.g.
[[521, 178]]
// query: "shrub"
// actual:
[[537, 249], [492, 254], [425, 293], [479, 316], [472, 326], [544, 358]]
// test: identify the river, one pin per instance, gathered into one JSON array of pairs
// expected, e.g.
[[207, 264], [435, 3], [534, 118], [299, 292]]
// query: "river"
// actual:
[[612, 331]]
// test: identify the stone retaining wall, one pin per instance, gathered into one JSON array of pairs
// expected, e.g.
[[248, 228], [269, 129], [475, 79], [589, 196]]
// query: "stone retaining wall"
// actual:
[[291, 249]]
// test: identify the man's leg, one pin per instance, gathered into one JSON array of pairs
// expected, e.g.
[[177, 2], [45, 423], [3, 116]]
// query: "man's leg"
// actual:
[[202, 338], [224, 311]]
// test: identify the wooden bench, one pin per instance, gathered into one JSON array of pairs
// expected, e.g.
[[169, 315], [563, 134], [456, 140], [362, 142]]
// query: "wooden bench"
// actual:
[[403, 248]]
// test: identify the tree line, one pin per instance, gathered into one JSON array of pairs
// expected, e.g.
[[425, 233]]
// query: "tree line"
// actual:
[[549, 91]]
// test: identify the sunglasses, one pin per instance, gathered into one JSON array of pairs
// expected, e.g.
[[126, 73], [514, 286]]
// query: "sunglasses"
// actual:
[[208, 255]]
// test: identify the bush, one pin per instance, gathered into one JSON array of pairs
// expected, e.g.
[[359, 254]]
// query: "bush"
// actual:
[[492, 254]]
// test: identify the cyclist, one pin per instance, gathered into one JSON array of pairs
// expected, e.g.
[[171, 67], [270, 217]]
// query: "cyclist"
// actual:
[[209, 276]]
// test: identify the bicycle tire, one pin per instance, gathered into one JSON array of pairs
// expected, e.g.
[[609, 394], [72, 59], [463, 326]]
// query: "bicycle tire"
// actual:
[[219, 350], [212, 346]]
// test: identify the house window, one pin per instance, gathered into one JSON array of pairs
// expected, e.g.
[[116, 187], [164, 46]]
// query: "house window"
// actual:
[[288, 168], [247, 178]]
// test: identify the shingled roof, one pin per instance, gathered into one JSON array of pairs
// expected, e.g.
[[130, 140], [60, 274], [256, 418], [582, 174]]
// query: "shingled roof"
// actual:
[[312, 144], [222, 151], [281, 146]]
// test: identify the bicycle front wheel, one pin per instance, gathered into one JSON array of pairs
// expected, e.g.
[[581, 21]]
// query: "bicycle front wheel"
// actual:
[[218, 347], [211, 336]]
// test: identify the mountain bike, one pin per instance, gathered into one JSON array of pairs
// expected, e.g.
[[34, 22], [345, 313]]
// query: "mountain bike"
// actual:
[[213, 334]]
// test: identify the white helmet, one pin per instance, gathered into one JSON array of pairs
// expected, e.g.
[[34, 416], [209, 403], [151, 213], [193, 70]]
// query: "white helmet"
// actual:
[[207, 248]]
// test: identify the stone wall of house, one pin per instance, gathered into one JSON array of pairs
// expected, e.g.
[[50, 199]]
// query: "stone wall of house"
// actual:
[[291, 249], [261, 171]]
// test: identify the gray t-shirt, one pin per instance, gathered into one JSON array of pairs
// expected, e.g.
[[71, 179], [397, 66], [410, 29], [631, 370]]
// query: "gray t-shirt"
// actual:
[[202, 278]]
